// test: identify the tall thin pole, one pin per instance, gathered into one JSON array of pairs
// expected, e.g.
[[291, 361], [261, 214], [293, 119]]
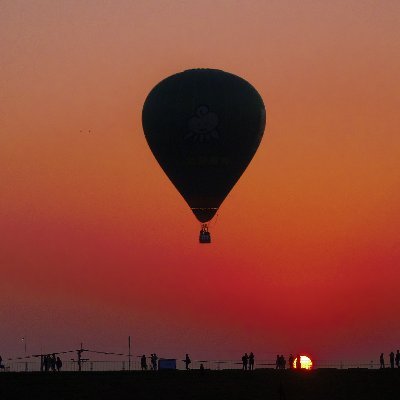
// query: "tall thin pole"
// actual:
[[80, 358], [26, 363], [129, 353]]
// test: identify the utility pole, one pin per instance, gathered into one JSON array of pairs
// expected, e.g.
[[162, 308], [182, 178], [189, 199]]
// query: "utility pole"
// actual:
[[129, 353], [41, 357], [80, 360], [26, 364], [80, 351]]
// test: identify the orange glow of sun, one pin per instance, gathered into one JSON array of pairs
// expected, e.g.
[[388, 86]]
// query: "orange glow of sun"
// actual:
[[305, 362]]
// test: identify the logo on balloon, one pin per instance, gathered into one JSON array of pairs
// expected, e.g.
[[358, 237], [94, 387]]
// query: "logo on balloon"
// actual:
[[202, 126]]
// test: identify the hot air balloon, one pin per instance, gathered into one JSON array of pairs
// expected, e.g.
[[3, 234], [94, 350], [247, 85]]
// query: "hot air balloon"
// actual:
[[203, 127]]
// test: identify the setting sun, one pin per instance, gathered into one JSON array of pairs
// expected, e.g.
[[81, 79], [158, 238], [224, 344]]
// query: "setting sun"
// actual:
[[305, 362]]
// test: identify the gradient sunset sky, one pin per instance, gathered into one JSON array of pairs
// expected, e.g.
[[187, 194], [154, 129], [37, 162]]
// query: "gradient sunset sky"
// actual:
[[96, 243]]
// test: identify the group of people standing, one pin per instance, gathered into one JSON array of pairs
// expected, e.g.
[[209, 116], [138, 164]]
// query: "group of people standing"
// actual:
[[280, 362], [394, 359], [153, 362], [248, 361], [49, 362]]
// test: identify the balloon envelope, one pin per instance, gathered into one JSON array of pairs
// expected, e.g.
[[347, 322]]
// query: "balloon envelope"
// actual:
[[204, 127]]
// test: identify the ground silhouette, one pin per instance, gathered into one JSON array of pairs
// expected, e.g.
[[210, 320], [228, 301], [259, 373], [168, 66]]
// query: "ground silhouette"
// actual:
[[327, 384]]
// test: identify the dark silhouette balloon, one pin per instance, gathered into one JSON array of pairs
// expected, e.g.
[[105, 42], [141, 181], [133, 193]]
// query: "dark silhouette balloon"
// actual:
[[204, 127]]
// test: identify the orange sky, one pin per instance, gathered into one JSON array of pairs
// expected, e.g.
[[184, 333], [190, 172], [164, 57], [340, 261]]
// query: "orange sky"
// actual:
[[96, 242]]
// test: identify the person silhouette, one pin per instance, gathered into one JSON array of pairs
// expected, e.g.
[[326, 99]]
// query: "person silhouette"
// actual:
[[291, 361], [382, 361], [58, 364], [277, 362], [391, 358], [1, 363], [398, 359], [298, 365], [154, 360], [53, 362], [283, 362], [187, 361], [245, 359], [46, 362], [143, 363], [251, 361]]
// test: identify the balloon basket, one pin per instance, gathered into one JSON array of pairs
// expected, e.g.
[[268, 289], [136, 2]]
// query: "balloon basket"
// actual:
[[205, 236]]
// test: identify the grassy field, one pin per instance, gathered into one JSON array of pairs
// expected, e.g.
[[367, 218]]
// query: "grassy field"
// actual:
[[323, 384]]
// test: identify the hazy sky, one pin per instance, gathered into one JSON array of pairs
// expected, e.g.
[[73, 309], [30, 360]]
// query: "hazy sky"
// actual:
[[96, 244]]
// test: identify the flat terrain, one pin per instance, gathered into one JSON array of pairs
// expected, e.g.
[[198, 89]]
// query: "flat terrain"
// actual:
[[323, 384]]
